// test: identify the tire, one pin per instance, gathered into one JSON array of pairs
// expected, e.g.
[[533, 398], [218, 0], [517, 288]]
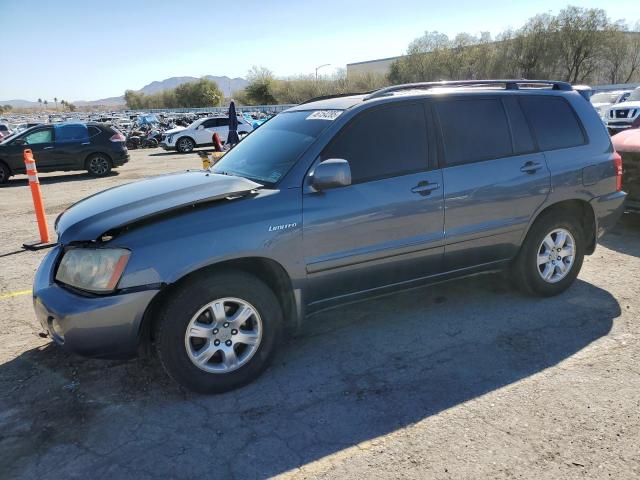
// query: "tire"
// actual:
[[186, 311], [151, 143], [99, 165], [5, 173], [557, 274], [185, 145]]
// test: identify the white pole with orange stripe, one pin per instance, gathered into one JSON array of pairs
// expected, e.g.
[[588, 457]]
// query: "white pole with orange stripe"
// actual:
[[34, 183]]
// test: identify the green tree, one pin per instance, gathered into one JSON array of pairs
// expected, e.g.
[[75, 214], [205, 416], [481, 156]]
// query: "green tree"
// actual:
[[55, 99], [260, 88]]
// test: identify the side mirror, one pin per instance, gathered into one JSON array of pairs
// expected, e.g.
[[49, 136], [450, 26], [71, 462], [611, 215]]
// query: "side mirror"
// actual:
[[200, 127], [331, 173], [19, 141]]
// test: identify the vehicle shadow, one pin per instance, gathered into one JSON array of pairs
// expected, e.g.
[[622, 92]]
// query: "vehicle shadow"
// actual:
[[173, 152], [625, 236], [80, 176], [355, 373]]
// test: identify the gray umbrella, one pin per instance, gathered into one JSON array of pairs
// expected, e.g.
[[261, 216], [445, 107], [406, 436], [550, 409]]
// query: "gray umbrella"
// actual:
[[232, 138]]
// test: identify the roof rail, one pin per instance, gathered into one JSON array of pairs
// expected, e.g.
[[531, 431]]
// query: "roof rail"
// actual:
[[513, 84], [338, 95]]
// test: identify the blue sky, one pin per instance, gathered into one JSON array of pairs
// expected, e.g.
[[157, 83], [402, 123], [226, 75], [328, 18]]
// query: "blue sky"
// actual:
[[85, 50]]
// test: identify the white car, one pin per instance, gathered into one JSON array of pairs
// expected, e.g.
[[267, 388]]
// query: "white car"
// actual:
[[622, 116], [200, 133], [603, 100]]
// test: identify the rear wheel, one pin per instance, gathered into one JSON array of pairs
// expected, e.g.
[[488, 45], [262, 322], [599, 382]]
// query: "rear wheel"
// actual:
[[99, 165], [5, 173], [551, 256], [185, 145], [218, 332]]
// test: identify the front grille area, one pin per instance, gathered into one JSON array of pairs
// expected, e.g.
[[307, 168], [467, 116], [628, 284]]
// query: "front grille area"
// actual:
[[622, 113]]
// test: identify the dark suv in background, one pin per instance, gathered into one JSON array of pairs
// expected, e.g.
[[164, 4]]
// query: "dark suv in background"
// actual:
[[329, 202], [94, 147]]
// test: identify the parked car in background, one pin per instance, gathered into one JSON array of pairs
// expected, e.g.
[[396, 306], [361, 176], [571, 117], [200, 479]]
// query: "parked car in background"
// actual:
[[623, 116], [603, 100], [329, 202], [21, 127], [5, 131], [94, 147], [200, 133], [627, 144]]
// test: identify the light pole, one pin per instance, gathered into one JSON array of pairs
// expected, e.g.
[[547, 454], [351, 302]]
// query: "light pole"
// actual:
[[319, 67]]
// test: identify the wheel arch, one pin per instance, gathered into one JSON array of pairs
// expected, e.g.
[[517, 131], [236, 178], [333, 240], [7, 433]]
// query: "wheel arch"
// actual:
[[6, 165], [195, 144], [582, 210], [272, 273]]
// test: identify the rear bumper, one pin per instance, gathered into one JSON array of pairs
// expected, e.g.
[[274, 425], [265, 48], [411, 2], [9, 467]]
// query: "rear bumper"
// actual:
[[608, 209], [94, 326], [120, 158]]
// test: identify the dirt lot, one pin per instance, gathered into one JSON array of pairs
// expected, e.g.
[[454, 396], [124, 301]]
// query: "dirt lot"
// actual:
[[462, 380]]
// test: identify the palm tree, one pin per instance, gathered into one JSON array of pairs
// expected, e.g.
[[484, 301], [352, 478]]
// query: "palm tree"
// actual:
[[55, 99], [45, 104], [62, 102], [40, 102]]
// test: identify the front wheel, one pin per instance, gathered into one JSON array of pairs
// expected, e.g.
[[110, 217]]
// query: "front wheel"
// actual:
[[218, 332], [185, 145], [99, 165], [551, 256]]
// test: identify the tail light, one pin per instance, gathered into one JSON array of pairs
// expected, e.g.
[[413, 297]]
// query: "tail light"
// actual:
[[118, 137], [617, 164]]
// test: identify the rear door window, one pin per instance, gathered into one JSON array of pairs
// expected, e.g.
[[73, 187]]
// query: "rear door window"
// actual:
[[474, 130], [72, 133], [554, 123], [385, 142]]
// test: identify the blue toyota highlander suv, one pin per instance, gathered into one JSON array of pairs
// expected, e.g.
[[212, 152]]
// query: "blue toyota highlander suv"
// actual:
[[334, 200]]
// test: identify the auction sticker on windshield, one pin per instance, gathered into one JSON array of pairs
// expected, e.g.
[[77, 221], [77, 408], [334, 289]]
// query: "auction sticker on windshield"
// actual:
[[324, 115]]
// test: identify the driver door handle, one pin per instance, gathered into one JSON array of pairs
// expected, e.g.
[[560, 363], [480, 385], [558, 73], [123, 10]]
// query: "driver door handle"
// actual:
[[531, 167], [425, 188], [47, 148]]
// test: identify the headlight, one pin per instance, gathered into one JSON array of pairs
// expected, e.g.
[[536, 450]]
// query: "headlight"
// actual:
[[93, 269]]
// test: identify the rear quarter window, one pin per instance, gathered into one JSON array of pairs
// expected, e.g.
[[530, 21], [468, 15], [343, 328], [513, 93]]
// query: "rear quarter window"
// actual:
[[553, 121], [94, 131]]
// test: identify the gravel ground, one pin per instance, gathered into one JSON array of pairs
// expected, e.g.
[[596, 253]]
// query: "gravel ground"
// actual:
[[465, 380]]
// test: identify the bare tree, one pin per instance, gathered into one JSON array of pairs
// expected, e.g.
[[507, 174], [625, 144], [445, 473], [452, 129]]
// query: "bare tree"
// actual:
[[579, 39]]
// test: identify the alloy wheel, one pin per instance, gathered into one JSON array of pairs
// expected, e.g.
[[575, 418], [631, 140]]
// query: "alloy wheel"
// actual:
[[99, 165], [223, 335], [556, 255]]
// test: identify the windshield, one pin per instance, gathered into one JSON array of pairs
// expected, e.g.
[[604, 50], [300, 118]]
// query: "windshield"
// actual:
[[604, 98], [635, 96], [270, 151]]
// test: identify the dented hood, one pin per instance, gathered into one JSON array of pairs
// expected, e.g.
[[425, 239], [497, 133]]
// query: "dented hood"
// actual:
[[123, 205]]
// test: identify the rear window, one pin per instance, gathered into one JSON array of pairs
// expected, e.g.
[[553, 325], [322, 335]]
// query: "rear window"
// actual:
[[554, 123], [71, 133], [474, 130]]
